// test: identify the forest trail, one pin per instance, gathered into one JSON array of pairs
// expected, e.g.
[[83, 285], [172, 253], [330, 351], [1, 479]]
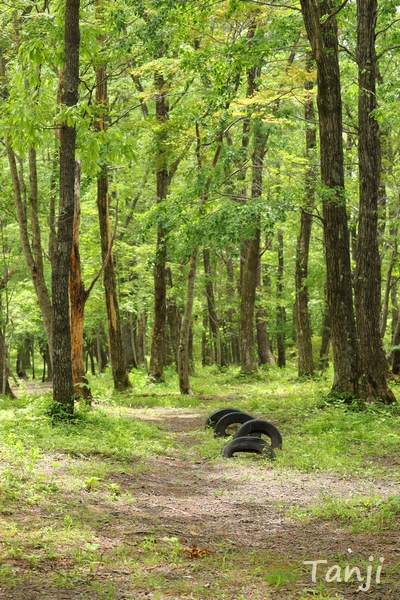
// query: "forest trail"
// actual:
[[207, 518]]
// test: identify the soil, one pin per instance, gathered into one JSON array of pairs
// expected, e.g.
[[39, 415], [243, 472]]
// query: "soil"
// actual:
[[220, 511]]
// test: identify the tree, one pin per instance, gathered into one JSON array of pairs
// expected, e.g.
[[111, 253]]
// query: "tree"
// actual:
[[32, 248], [321, 25], [303, 325], [117, 353], [367, 277], [63, 389]]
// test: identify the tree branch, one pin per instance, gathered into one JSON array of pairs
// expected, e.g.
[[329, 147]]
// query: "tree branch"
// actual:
[[176, 163], [386, 28]]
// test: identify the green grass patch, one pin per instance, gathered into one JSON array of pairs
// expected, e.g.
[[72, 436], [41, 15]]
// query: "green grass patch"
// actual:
[[358, 513]]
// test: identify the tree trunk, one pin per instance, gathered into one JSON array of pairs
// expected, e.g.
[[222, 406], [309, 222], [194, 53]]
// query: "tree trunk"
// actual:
[[141, 340], [32, 254], [231, 327], [280, 309], [248, 361], [303, 326], [264, 347], [388, 286], [5, 387], [213, 317], [129, 346], [367, 281], [173, 319], [63, 389], [78, 296], [158, 342], [184, 354], [117, 354], [325, 341], [322, 32]]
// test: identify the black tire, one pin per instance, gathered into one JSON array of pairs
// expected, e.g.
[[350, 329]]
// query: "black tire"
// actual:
[[258, 427], [216, 415], [248, 444], [230, 419]]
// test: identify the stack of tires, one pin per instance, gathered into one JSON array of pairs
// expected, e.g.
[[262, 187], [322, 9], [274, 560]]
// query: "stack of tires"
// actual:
[[248, 435]]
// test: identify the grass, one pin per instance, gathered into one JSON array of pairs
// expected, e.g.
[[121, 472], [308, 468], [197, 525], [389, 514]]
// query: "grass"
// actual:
[[358, 513], [69, 514]]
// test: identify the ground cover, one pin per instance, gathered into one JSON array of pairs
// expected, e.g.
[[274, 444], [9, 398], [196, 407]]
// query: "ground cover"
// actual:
[[133, 500]]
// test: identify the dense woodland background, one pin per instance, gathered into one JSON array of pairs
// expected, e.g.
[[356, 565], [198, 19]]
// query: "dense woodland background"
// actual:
[[202, 183]]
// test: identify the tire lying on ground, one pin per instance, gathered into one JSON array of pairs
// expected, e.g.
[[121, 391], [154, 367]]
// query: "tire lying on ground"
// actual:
[[216, 415], [258, 427], [248, 444], [230, 419]]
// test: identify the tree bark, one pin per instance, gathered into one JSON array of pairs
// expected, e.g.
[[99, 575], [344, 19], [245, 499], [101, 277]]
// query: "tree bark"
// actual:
[[280, 309], [141, 349], [231, 326], [5, 387], [264, 346], [305, 367], [78, 296], [184, 354], [325, 341], [213, 317], [173, 319], [63, 389], [248, 361], [32, 254], [232, 337], [129, 344], [158, 342], [117, 354], [321, 27], [263, 343], [367, 280]]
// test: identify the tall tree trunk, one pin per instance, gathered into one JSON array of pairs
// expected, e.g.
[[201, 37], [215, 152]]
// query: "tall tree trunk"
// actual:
[[248, 361], [129, 343], [32, 254], [141, 349], [158, 342], [367, 280], [5, 387], [394, 354], [63, 389], [173, 319], [117, 354], [264, 346], [184, 354], [213, 317], [231, 325], [325, 340], [303, 325], [78, 296], [280, 309], [322, 32]]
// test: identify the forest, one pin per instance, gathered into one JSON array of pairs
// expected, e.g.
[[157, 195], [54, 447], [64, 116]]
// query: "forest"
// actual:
[[200, 210]]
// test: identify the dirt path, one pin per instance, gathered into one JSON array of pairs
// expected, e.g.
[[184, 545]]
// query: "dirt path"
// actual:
[[233, 515]]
